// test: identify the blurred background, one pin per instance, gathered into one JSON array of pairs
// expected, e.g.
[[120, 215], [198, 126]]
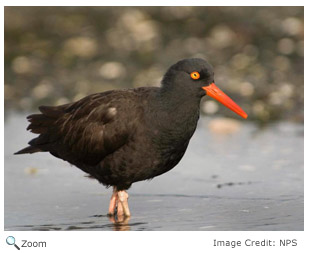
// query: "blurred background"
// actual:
[[56, 55]]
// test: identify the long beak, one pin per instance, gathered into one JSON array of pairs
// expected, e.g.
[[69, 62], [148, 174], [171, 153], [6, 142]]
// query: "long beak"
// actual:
[[213, 91]]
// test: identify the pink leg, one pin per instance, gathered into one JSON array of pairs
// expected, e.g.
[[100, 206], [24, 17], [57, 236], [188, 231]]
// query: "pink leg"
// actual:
[[113, 201], [119, 200], [120, 211], [123, 203]]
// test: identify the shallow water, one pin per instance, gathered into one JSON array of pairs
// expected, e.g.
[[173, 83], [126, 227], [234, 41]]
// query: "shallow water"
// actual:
[[248, 180]]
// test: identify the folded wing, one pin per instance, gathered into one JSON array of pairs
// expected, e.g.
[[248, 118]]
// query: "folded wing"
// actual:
[[88, 130]]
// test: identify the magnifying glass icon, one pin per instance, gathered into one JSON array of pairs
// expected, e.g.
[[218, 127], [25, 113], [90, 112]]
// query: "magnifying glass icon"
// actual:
[[11, 241]]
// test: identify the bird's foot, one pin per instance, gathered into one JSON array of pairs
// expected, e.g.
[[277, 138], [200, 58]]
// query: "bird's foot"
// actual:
[[119, 204]]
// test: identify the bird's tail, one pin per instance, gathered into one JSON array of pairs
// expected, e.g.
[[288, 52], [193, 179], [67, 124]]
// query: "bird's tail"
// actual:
[[28, 150], [40, 124]]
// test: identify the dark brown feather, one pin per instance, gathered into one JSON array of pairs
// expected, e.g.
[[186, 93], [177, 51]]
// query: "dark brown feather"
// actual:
[[125, 136]]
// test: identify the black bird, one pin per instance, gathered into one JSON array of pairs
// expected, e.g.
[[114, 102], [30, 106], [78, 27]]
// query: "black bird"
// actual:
[[123, 136]]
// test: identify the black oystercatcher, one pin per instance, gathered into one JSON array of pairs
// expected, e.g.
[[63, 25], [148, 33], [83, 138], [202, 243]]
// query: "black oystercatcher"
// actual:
[[123, 136]]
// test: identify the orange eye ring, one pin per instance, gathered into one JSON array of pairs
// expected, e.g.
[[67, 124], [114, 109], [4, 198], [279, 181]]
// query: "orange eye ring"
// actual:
[[195, 75]]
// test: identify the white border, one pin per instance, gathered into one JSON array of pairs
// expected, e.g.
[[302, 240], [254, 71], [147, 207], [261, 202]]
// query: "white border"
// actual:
[[153, 3], [164, 241]]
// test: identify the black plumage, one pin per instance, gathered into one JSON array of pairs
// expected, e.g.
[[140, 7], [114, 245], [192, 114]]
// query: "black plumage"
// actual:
[[123, 136]]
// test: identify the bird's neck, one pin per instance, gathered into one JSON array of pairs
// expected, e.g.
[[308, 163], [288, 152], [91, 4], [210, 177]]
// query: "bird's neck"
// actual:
[[174, 115], [180, 102]]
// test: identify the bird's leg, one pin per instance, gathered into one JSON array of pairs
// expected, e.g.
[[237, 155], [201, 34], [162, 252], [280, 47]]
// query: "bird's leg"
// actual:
[[113, 201], [123, 207], [120, 212], [119, 201]]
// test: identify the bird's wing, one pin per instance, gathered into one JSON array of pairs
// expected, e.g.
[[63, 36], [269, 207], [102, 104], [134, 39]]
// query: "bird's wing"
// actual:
[[90, 129]]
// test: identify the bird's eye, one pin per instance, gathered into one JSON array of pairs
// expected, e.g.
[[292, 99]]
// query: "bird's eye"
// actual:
[[195, 75]]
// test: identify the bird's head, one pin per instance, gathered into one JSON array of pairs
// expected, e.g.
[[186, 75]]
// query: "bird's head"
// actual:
[[196, 76]]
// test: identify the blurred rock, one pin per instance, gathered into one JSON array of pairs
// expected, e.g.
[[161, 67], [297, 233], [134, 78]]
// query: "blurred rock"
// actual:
[[77, 51], [209, 107], [222, 36], [292, 26], [21, 65], [81, 46], [112, 70], [240, 61], [246, 89], [224, 126], [43, 89], [149, 77]]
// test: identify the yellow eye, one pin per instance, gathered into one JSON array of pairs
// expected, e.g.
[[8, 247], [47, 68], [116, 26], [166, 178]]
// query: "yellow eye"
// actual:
[[195, 75]]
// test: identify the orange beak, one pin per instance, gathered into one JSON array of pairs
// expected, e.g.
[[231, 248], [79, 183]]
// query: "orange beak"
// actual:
[[213, 91]]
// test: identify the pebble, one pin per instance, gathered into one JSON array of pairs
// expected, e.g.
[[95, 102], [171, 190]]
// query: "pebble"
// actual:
[[224, 126]]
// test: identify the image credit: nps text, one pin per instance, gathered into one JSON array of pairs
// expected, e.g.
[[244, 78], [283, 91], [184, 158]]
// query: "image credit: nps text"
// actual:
[[256, 243]]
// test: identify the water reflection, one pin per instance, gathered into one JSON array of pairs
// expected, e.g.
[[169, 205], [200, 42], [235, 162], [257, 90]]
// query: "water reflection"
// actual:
[[121, 223], [98, 222]]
